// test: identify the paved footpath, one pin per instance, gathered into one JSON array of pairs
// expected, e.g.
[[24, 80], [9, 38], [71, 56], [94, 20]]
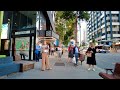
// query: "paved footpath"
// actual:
[[68, 71]]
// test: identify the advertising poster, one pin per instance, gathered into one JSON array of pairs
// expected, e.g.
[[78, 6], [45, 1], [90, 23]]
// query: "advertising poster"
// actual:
[[19, 43]]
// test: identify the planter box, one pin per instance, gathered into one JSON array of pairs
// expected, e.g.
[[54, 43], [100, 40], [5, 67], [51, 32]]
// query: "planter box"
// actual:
[[26, 66]]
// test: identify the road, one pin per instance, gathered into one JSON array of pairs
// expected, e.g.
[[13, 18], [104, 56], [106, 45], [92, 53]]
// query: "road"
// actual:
[[107, 60]]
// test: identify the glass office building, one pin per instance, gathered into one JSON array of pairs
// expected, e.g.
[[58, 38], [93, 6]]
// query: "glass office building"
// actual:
[[103, 25]]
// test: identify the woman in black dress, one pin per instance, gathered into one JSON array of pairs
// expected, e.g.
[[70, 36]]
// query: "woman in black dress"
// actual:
[[70, 53], [91, 61]]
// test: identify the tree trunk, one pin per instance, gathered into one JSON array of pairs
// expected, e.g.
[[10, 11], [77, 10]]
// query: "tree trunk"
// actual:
[[1, 22], [75, 31]]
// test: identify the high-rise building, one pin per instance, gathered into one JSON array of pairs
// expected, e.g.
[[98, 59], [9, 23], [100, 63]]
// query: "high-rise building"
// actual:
[[103, 25]]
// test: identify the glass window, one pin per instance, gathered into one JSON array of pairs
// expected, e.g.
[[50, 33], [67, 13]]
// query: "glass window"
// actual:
[[42, 22], [37, 21], [50, 27]]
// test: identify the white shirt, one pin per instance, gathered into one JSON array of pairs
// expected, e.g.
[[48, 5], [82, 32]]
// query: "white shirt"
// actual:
[[59, 49], [45, 48]]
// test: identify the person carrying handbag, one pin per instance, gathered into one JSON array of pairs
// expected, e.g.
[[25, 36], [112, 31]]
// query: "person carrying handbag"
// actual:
[[90, 53]]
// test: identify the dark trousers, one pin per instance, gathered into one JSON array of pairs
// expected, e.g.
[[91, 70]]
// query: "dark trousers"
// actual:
[[49, 52], [22, 55], [37, 56], [40, 57], [52, 52]]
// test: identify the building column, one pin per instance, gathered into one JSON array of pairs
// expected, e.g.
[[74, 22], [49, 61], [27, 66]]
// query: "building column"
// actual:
[[119, 22], [10, 35], [105, 26], [100, 26], [1, 22], [91, 26], [97, 24], [111, 33]]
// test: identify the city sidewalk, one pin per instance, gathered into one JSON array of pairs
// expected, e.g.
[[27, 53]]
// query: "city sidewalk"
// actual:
[[118, 51], [68, 71]]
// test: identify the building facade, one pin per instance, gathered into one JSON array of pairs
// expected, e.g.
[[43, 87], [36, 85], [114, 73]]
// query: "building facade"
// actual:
[[27, 27], [103, 25]]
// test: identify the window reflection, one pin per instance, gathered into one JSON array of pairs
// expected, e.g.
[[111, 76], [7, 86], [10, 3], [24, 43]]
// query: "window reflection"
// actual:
[[42, 22], [37, 21]]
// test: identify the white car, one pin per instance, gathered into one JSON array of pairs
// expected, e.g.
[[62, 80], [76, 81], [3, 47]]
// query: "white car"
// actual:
[[100, 49]]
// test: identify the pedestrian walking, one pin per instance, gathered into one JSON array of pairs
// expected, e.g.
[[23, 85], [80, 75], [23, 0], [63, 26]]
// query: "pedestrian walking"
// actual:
[[52, 50], [59, 52], [37, 52], [45, 59], [40, 55], [49, 45], [76, 51], [91, 60], [70, 53]]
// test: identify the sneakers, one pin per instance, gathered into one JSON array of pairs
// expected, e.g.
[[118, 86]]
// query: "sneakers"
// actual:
[[93, 69], [89, 69]]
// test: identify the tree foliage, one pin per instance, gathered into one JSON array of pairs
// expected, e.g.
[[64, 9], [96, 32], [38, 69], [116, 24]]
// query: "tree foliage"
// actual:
[[83, 15], [65, 21]]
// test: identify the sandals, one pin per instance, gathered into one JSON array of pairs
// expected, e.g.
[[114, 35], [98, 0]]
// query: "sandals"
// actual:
[[42, 70], [46, 69]]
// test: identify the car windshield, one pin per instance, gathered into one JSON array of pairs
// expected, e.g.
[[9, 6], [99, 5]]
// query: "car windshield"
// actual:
[[99, 47], [102, 47]]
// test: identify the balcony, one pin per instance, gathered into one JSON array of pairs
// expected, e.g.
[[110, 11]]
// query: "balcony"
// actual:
[[114, 12], [115, 18], [116, 35], [107, 18], [115, 29], [115, 23]]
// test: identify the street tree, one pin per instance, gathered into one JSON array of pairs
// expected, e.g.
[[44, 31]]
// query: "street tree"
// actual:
[[65, 22]]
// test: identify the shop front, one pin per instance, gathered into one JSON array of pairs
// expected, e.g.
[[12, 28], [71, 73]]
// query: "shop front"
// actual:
[[26, 28], [45, 28]]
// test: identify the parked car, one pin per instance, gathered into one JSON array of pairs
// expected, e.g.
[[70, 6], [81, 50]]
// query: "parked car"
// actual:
[[102, 48]]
